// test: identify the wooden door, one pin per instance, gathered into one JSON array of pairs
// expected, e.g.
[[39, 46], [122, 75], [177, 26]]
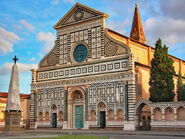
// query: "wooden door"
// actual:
[[79, 116], [102, 119], [54, 120]]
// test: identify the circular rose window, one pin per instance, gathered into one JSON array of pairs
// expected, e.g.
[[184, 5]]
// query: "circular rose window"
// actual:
[[80, 53]]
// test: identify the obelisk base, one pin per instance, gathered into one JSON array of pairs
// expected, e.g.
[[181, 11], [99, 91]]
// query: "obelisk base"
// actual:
[[12, 121]]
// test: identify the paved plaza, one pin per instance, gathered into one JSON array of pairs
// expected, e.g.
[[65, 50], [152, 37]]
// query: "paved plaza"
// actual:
[[108, 133]]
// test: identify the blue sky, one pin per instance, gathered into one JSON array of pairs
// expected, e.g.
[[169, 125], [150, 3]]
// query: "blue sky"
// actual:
[[26, 29]]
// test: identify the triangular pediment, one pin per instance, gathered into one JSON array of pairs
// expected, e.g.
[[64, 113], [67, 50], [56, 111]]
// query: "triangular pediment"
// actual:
[[79, 13]]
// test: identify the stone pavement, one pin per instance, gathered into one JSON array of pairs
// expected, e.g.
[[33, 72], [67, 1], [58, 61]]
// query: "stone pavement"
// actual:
[[56, 132], [153, 133]]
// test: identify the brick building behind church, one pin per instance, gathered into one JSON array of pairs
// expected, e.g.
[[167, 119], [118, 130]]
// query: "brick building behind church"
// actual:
[[25, 106]]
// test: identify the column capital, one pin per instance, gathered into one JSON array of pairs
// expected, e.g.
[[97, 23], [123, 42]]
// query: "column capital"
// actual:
[[34, 90], [86, 86], [65, 87]]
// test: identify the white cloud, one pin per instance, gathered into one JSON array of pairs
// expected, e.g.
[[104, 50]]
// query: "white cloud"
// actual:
[[173, 8], [70, 1], [32, 59], [29, 26], [17, 27], [6, 68], [56, 2], [10, 36], [7, 39], [48, 39], [5, 46], [28, 52], [119, 26], [171, 31]]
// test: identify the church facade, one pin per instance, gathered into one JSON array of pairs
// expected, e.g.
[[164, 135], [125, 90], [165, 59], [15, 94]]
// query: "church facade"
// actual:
[[93, 77]]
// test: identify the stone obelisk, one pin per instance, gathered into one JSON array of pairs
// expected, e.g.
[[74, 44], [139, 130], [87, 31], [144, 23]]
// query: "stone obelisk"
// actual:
[[13, 108]]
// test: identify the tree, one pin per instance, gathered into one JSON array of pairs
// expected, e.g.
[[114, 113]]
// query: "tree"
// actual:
[[180, 88], [162, 72]]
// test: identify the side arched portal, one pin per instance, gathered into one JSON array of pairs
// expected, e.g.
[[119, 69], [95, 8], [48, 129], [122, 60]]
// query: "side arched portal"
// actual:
[[54, 115], [143, 113], [102, 115]]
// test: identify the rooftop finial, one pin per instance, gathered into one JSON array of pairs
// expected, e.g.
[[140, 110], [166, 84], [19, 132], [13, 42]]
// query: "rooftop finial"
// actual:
[[136, 5], [15, 59]]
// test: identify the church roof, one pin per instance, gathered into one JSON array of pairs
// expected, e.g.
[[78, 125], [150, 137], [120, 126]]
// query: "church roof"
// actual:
[[5, 95], [75, 14], [141, 43]]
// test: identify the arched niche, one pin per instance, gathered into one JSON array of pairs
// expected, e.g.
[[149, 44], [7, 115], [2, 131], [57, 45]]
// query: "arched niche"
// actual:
[[120, 115], [169, 114], [157, 114], [110, 115], [92, 115], [40, 116], [46, 116], [181, 113], [60, 116]]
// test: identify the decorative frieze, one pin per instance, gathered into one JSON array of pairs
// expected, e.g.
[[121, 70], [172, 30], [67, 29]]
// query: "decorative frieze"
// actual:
[[99, 68]]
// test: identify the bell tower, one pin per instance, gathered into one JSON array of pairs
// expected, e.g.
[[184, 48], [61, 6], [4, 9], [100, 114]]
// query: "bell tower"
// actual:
[[137, 29]]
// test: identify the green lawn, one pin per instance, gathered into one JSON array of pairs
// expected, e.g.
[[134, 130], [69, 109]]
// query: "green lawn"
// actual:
[[74, 137]]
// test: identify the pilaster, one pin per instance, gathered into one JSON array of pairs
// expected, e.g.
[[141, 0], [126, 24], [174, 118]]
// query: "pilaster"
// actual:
[[86, 123], [152, 115], [57, 43], [65, 126], [65, 104], [34, 76], [130, 98], [102, 42], [175, 114], [86, 104], [33, 109], [131, 90], [163, 114], [89, 45]]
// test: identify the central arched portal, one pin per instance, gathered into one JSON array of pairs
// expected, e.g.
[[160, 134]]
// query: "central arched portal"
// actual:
[[76, 109]]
